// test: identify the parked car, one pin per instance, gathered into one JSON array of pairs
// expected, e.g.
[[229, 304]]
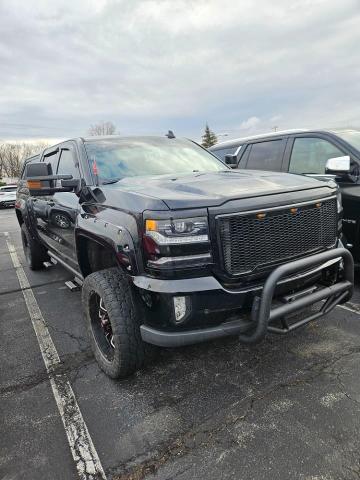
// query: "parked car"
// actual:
[[172, 247], [307, 152], [7, 196]]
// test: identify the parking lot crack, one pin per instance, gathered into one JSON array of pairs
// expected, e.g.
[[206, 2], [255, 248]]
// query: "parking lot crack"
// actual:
[[71, 363], [206, 433], [33, 287], [81, 342], [338, 375]]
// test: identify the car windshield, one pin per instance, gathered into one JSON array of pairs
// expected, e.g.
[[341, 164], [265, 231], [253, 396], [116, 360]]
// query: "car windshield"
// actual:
[[352, 137], [114, 159]]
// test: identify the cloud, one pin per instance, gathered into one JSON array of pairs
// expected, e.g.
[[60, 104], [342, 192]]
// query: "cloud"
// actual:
[[275, 118], [250, 124], [153, 65]]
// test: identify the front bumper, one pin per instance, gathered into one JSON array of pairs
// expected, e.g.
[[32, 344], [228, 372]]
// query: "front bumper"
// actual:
[[263, 311]]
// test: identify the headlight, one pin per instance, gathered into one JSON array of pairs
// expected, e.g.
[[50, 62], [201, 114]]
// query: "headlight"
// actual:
[[178, 231]]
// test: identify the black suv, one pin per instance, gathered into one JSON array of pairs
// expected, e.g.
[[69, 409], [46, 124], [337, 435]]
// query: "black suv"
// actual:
[[306, 152], [172, 247]]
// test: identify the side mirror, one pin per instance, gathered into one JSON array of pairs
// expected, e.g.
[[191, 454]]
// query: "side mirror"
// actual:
[[338, 165], [231, 160], [40, 169], [73, 183], [41, 183]]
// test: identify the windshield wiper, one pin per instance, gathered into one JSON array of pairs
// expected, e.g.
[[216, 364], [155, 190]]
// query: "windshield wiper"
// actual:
[[107, 181]]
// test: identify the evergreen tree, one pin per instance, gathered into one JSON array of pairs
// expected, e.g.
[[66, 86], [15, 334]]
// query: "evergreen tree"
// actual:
[[209, 138]]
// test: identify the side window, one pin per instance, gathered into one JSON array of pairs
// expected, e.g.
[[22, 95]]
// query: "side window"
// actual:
[[67, 164], [310, 154], [24, 172], [266, 155], [225, 151], [52, 159]]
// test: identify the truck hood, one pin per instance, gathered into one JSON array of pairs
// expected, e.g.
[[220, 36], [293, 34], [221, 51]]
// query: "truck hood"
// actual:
[[216, 188]]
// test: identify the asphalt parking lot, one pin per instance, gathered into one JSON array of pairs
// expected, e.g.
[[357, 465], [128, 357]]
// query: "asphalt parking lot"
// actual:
[[285, 409]]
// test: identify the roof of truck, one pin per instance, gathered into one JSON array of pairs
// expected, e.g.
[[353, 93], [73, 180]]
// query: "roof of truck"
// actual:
[[236, 141], [278, 133]]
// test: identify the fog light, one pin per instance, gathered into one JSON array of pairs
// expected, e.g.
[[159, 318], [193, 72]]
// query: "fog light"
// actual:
[[180, 308]]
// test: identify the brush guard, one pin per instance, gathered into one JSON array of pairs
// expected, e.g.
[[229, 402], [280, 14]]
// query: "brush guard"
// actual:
[[263, 312]]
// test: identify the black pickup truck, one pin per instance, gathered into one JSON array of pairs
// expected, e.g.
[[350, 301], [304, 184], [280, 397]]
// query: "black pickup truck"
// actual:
[[172, 247]]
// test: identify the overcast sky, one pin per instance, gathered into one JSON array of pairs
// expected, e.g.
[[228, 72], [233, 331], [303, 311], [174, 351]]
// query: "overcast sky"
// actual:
[[243, 66]]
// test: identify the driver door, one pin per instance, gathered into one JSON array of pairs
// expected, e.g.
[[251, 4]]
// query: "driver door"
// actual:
[[41, 204], [62, 208]]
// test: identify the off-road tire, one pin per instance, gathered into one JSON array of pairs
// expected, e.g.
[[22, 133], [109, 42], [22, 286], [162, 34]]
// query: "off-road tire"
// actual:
[[34, 251], [124, 314]]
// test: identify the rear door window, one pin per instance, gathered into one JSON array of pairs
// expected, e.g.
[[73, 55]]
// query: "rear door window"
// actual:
[[27, 162], [310, 154], [266, 155]]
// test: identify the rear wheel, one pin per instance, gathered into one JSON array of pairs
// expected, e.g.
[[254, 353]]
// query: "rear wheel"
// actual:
[[113, 320], [34, 251]]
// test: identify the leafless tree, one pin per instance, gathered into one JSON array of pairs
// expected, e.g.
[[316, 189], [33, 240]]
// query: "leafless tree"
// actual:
[[13, 154], [103, 128]]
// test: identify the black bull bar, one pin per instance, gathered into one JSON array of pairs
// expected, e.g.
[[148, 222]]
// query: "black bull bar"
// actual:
[[263, 313]]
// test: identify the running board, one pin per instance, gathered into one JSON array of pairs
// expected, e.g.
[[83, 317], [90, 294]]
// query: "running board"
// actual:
[[73, 285], [51, 263], [55, 260]]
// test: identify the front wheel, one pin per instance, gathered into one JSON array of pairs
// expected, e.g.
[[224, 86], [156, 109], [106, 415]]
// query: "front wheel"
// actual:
[[113, 321]]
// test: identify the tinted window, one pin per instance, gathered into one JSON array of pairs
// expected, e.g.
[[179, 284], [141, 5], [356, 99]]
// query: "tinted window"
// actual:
[[52, 159], [266, 155], [225, 151], [8, 189], [119, 158], [309, 155], [67, 164], [34, 159]]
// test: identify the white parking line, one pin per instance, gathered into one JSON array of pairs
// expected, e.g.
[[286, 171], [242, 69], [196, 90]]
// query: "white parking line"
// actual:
[[82, 448], [351, 307]]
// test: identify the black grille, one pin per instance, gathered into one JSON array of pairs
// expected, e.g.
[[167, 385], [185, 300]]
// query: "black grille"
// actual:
[[251, 244]]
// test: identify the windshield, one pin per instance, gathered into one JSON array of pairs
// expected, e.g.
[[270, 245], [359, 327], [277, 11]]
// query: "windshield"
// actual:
[[114, 159], [352, 137]]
